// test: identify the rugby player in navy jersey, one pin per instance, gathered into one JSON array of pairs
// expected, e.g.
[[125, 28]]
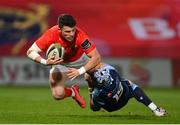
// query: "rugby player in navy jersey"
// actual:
[[108, 90]]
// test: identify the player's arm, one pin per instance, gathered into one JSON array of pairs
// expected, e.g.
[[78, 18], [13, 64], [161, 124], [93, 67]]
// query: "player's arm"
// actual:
[[94, 106], [94, 57], [33, 53], [94, 60]]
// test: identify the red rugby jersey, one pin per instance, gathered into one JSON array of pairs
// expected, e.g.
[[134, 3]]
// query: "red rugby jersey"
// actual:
[[73, 50]]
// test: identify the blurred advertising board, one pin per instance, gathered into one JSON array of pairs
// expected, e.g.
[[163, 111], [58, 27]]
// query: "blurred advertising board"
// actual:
[[145, 72]]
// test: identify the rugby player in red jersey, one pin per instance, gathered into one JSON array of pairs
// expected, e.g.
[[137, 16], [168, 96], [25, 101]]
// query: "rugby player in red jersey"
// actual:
[[80, 56]]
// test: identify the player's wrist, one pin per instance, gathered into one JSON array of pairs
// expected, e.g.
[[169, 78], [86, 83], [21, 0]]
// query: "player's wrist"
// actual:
[[81, 70], [43, 61]]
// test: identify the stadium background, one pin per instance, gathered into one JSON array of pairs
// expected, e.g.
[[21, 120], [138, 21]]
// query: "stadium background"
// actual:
[[141, 38]]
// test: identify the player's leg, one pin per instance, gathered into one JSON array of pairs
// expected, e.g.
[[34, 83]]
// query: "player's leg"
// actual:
[[57, 84], [140, 96], [57, 81], [87, 78], [92, 94]]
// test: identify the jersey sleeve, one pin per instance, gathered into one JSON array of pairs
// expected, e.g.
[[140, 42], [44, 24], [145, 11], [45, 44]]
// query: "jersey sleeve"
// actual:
[[45, 40], [86, 44]]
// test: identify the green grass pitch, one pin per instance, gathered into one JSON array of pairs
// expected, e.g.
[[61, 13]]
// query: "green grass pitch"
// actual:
[[29, 105]]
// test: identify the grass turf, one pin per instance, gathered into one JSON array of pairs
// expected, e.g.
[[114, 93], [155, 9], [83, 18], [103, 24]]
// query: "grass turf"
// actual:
[[29, 105]]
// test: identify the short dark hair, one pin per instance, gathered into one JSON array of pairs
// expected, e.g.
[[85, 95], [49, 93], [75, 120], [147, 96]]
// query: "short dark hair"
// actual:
[[66, 20]]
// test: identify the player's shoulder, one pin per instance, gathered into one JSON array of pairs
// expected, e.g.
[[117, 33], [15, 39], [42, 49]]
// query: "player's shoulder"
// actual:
[[52, 31], [84, 41], [80, 31], [81, 35], [54, 28]]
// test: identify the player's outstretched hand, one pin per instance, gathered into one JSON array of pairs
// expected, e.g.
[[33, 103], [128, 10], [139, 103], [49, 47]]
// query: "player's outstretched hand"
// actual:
[[72, 73], [54, 61]]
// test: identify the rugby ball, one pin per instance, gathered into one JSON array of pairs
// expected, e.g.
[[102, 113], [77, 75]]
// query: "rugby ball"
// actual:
[[55, 50]]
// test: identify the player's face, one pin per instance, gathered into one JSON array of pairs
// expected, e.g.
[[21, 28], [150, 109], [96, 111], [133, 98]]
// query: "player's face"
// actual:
[[68, 33]]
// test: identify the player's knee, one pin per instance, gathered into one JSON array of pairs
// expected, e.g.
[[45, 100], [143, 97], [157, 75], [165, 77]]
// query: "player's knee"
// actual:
[[58, 95], [56, 77]]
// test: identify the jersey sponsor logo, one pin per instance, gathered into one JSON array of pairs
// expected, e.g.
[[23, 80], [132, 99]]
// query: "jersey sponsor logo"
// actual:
[[86, 44]]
